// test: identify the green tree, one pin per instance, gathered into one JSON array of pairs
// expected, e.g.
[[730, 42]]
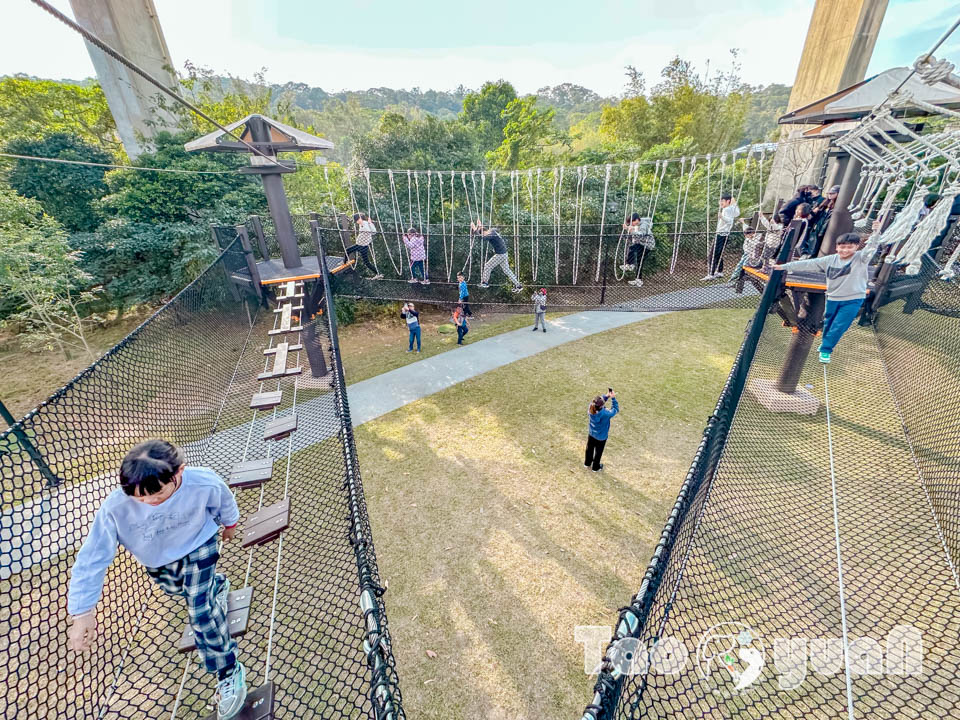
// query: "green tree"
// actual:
[[67, 192], [483, 112], [33, 108], [420, 144], [40, 271], [527, 134], [172, 197]]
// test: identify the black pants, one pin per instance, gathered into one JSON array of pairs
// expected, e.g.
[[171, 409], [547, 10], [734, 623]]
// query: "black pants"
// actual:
[[364, 252], [635, 257], [465, 303], [594, 452], [716, 263]]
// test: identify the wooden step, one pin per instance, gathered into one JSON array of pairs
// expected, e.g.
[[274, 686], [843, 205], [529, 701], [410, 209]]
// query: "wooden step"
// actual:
[[251, 473], [279, 428], [266, 524], [266, 400]]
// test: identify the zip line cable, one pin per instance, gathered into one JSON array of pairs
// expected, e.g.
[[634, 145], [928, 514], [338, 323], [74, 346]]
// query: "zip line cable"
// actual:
[[116, 167]]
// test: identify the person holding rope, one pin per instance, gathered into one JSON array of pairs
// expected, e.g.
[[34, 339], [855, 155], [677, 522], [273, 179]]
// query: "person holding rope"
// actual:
[[168, 516], [729, 212], [599, 418], [414, 241], [499, 256], [640, 235], [365, 232]]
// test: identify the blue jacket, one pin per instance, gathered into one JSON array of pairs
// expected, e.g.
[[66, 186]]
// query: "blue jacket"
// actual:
[[600, 423], [464, 292]]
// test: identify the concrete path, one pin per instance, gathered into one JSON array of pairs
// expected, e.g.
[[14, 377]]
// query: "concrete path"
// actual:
[[38, 529], [369, 399]]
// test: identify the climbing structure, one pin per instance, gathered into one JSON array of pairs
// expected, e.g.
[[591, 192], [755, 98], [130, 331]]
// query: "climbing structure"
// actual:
[[229, 383]]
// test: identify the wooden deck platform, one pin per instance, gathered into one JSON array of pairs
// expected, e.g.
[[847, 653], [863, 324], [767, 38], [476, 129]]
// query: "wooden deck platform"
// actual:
[[272, 272]]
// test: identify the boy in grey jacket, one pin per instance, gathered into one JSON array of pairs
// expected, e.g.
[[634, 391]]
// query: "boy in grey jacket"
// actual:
[[847, 278]]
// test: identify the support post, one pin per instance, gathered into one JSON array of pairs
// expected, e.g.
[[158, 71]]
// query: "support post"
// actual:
[[800, 344], [17, 430], [251, 261], [276, 199], [257, 225], [313, 303], [840, 221]]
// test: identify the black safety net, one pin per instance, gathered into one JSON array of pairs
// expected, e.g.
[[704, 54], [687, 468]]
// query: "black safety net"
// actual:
[[316, 628], [809, 567]]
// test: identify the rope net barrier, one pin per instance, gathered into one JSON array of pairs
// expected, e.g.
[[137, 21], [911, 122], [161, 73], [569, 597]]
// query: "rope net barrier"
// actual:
[[188, 374], [809, 566]]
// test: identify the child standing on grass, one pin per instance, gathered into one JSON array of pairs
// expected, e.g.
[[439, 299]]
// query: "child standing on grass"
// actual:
[[847, 278], [460, 320], [418, 254], [409, 313], [599, 418], [464, 294], [540, 309], [167, 515]]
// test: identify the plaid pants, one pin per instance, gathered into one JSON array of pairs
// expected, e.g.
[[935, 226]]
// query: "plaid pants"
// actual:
[[194, 577]]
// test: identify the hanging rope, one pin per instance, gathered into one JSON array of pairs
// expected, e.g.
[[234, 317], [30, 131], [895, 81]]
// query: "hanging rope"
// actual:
[[468, 261], [535, 245], [683, 213], [633, 172], [603, 217], [707, 243], [577, 211], [372, 202], [557, 188], [398, 223], [333, 209]]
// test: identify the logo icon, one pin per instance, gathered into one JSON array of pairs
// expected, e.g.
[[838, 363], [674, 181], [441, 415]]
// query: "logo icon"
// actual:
[[730, 658]]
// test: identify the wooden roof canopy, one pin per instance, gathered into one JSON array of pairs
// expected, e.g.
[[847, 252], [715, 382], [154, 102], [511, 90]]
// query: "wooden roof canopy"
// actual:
[[278, 137], [858, 100]]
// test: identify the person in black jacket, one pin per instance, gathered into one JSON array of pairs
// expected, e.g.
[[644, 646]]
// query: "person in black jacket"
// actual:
[[499, 256], [789, 210]]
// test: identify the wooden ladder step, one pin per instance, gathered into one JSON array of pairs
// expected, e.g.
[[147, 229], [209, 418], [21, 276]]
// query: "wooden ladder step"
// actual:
[[266, 524], [280, 368], [290, 348], [251, 473], [286, 315], [266, 400], [258, 706], [279, 428], [238, 612]]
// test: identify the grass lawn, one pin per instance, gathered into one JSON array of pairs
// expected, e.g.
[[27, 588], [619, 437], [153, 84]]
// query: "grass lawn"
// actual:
[[494, 539], [31, 377], [375, 347]]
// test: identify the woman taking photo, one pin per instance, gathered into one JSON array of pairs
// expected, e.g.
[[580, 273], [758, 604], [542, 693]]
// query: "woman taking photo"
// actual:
[[599, 418]]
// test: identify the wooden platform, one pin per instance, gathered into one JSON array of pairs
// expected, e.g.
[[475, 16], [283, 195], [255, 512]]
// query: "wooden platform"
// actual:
[[272, 272], [811, 281]]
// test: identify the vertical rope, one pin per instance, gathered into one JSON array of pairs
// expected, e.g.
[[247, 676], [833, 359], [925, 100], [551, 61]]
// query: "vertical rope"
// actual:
[[707, 236], [683, 214], [333, 209], [603, 218]]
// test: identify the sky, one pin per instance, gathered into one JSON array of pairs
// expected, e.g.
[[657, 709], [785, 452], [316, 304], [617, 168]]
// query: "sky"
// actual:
[[439, 45]]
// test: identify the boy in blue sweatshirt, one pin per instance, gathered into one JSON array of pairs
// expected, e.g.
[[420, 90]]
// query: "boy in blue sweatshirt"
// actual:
[[168, 516], [464, 294], [847, 278], [599, 418]]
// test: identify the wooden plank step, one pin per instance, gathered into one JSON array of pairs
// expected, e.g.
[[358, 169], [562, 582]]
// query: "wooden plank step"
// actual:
[[238, 613], [279, 428], [280, 368], [266, 400], [258, 706], [251, 473], [290, 349], [292, 307], [266, 524]]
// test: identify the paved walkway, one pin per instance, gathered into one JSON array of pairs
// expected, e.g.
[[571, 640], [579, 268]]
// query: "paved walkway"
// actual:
[[37, 530]]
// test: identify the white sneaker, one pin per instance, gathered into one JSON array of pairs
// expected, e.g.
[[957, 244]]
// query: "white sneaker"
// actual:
[[424, 282], [378, 276], [232, 693], [517, 288], [484, 285], [413, 281], [718, 276], [707, 277], [636, 283], [628, 268]]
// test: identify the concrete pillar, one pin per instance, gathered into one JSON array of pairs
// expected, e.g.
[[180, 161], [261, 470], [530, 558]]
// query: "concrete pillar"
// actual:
[[132, 28], [836, 54]]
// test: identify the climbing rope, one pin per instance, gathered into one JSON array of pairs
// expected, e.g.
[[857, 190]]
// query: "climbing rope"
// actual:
[[683, 214], [603, 217], [333, 209]]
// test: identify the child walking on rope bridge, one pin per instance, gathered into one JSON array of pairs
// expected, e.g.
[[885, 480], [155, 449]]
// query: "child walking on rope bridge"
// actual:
[[408, 313], [540, 309], [599, 418], [365, 232], [499, 256], [847, 278], [464, 294], [418, 254], [728, 213], [168, 516], [640, 235]]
